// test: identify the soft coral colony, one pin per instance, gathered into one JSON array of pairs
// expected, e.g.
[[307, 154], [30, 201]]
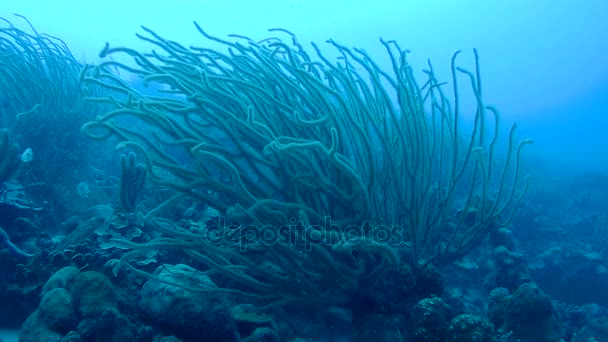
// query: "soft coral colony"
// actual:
[[274, 136]]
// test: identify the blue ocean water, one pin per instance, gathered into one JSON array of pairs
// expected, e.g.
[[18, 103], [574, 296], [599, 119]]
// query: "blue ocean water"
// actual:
[[287, 171]]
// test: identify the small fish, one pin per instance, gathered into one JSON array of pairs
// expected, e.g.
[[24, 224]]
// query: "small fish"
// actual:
[[27, 155]]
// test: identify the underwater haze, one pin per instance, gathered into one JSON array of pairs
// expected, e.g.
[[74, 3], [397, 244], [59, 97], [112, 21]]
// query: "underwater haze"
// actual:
[[544, 64], [304, 171]]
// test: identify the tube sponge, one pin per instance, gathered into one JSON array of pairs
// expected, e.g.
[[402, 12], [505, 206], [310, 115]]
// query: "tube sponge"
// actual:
[[132, 180]]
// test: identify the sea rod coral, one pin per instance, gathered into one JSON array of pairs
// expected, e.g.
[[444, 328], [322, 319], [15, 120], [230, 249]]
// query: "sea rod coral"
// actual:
[[320, 154]]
